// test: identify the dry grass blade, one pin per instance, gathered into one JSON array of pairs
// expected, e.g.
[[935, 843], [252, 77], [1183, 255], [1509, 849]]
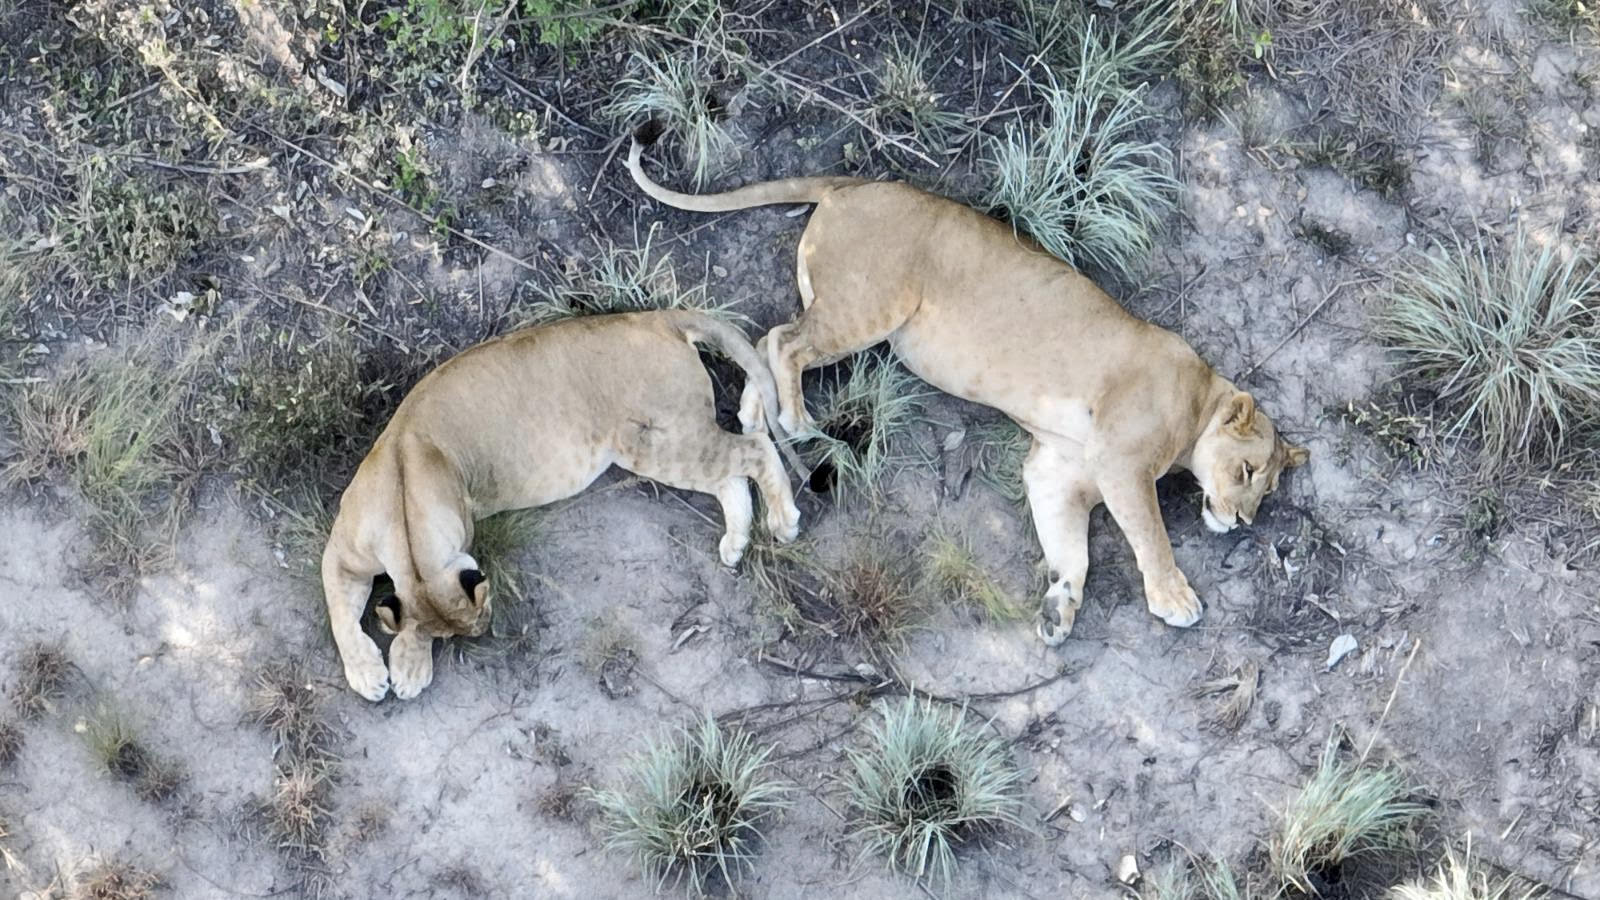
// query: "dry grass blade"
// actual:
[[695, 808], [1342, 811], [926, 785], [1459, 877]]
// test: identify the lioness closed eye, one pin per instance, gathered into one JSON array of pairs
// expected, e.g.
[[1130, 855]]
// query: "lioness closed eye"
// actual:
[[1112, 402], [525, 420]]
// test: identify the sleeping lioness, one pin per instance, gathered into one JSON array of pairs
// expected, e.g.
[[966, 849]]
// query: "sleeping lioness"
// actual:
[[1112, 402], [523, 420]]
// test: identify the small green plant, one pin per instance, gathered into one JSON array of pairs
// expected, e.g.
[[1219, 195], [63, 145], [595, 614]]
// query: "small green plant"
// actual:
[[1344, 810], [1509, 341], [675, 91], [1459, 877], [1371, 161], [1085, 184], [925, 785], [125, 229], [619, 279], [862, 417], [695, 806], [116, 880], [568, 23], [954, 572], [1070, 35]]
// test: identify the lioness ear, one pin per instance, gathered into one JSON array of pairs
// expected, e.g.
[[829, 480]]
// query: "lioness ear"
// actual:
[[1241, 415], [1294, 457], [474, 583], [388, 613]]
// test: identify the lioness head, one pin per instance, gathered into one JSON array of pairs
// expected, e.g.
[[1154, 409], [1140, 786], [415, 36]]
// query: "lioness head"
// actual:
[[454, 602], [1237, 461]]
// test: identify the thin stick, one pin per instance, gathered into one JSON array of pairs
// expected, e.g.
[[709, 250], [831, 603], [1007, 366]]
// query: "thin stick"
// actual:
[[253, 165], [1332, 292], [1417, 645]]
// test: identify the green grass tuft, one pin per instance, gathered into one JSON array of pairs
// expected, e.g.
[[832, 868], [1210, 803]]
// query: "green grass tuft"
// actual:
[[862, 417], [1086, 183], [695, 806], [1344, 810], [905, 105], [955, 573], [675, 90], [1510, 341], [925, 785], [617, 280]]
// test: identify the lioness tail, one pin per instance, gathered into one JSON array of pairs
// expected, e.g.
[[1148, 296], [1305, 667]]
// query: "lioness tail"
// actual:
[[786, 190], [701, 328]]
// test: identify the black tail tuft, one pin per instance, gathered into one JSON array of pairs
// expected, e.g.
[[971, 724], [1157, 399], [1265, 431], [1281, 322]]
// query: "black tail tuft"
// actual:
[[649, 132]]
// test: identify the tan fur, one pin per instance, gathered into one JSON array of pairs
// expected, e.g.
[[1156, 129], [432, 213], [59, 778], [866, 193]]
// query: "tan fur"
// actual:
[[1112, 402], [525, 420]]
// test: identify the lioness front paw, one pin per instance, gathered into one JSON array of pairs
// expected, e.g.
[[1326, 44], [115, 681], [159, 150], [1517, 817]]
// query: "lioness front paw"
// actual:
[[1173, 601], [731, 549], [368, 676], [1057, 614], [410, 666], [786, 525]]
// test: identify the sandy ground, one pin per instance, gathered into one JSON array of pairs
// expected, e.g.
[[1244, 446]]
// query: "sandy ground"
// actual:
[[455, 794]]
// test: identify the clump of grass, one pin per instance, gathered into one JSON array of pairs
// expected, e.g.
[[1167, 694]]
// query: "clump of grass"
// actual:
[[862, 417], [1344, 810], [496, 543], [1216, 39], [695, 806], [610, 651], [616, 280], [1570, 17], [298, 815], [11, 738], [1459, 877], [905, 103], [112, 425], [876, 601], [675, 91], [1370, 160], [1086, 184], [1070, 35], [112, 739], [1238, 691], [284, 701], [1178, 881], [116, 880], [41, 674], [1510, 342], [297, 412], [926, 785], [955, 574], [126, 229], [1002, 448]]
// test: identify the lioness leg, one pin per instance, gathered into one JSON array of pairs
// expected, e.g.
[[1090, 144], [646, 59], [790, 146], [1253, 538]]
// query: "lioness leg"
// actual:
[[346, 589], [1061, 495], [1131, 498], [838, 321], [713, 461]]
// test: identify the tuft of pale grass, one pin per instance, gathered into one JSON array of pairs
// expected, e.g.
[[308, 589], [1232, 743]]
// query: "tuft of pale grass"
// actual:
[[40, 677], [299, 815], [674, 90], [1086, 184], [1459, 877], [954, 572], [694, 807], [862, 418], [874, 598], [1194, 879], [1238, 692], [925, 785], [1070, 35], [1510, 341], [619, 279], [1344, 810], [115, 880], [114, 742]]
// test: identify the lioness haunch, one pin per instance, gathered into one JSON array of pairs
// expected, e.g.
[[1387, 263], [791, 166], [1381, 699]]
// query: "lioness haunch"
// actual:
[[525, 420], [1112, 402]]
